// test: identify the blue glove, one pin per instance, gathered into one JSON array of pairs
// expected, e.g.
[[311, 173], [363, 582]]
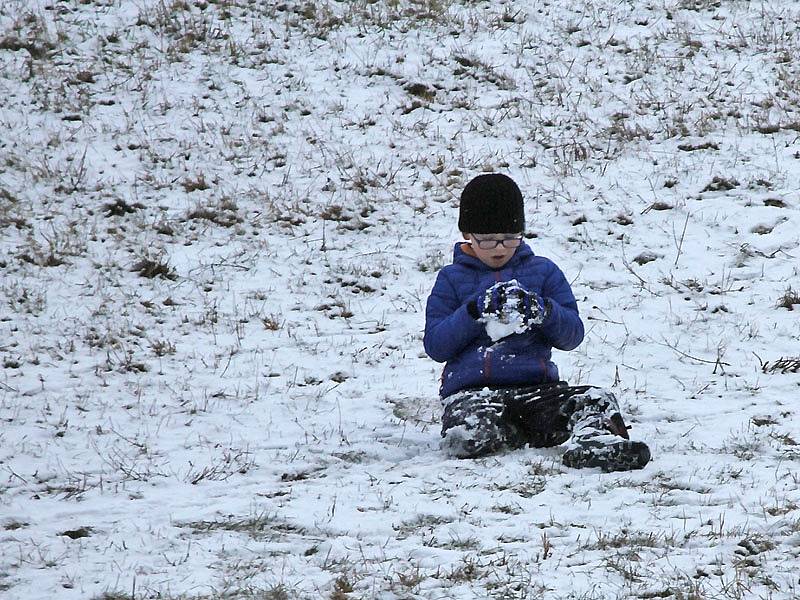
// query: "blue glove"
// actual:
[[494, 299], [491, 301], [531, 306]]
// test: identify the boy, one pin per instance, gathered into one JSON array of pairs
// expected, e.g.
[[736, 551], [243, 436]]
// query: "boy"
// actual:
[[493, 317]]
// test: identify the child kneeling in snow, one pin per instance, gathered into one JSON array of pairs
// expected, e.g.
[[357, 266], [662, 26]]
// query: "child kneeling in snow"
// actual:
[[493, 317]]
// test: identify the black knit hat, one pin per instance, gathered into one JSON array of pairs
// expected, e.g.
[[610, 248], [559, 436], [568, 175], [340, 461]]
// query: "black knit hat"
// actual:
[[491, 203]]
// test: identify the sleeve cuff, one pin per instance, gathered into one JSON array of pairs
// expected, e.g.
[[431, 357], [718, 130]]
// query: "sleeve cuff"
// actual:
[[472, 309]]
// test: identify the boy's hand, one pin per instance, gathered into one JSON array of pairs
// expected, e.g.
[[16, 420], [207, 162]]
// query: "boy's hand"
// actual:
[[489, 302], [507, 308], [506, 298], [530, 305], [494, 300]]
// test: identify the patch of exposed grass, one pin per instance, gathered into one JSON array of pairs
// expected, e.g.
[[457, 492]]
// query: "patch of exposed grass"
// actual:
[[789, 300], [259, 526], [152, 268]]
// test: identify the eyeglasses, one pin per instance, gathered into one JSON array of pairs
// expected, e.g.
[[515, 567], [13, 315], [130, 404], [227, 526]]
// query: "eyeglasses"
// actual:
[[490, 243]]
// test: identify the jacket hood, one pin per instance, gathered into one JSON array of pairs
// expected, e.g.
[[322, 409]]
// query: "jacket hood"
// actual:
[[473, 262]]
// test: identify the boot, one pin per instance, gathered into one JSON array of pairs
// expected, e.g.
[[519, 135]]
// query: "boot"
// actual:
[[600, 436]]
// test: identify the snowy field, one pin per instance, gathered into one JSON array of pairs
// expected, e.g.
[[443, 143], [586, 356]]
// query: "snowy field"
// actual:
[[220, 221]]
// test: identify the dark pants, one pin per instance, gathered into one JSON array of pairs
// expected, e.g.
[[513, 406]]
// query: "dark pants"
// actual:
[[480, 421]]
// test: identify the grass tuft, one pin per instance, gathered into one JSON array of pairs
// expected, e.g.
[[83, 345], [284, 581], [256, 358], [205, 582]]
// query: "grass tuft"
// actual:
[[789, 299], [153, 268]]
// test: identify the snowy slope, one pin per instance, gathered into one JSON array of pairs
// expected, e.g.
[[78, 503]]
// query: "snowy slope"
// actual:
[[220, 222]]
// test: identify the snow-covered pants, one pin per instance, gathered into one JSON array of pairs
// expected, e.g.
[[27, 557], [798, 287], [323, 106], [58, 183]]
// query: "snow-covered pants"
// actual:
[[481, 421]]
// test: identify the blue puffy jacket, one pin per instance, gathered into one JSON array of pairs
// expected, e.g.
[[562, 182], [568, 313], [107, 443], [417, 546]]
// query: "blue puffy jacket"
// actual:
[[473, 360]]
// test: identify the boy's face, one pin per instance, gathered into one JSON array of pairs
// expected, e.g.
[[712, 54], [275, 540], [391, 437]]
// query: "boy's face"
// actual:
[[494, 249]]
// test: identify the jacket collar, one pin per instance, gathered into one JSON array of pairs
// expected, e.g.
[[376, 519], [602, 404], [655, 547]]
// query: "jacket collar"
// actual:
[[464, 255]]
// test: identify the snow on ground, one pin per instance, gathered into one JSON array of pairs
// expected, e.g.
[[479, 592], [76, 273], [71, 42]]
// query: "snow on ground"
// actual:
[[220, 222]]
